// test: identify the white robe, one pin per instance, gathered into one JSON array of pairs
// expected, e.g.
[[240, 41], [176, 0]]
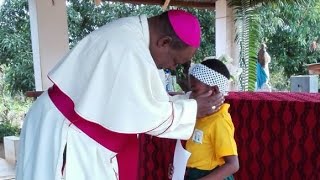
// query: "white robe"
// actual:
[[113, 81]]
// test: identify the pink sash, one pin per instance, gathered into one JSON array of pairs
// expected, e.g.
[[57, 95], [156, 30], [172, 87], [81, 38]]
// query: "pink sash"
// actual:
[[125, 145]]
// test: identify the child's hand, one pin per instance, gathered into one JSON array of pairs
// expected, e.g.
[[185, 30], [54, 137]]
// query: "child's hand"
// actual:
[[170, 171]]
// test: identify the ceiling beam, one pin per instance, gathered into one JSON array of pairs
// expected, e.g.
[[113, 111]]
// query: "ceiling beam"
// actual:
[[195, 4]]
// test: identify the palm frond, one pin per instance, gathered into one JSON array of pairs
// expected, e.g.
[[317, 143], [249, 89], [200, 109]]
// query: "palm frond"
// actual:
[[247, 36]]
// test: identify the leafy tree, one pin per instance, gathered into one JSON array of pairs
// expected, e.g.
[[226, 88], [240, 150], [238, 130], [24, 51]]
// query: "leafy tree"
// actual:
[[289, 29], [15, 46]]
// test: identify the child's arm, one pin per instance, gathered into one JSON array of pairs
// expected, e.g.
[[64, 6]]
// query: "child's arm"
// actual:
[[230, 167]]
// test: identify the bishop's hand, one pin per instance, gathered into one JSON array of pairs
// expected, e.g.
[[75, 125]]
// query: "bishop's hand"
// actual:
[[208, 103]]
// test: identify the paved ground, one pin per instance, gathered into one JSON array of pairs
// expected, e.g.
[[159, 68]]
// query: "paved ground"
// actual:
[[7, 171]]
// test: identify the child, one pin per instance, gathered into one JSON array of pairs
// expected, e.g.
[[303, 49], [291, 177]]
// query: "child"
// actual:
[[212, 145]]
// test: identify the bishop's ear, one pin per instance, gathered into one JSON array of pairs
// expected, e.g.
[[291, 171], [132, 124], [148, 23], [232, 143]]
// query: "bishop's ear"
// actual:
[[164, 42]]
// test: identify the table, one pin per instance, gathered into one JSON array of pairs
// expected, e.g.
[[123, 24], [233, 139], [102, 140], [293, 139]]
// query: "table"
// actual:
[[155, 157], [277, 134]]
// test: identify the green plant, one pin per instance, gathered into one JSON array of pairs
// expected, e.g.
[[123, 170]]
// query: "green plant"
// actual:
[[8, 129], [12, 110], [248, 33], [278, 81]]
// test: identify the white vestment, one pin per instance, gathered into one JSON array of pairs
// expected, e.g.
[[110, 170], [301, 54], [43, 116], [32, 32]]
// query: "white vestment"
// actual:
[[113, 81]]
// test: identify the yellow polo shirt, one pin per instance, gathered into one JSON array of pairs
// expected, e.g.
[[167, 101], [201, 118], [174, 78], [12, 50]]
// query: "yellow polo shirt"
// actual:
[[212, 139]]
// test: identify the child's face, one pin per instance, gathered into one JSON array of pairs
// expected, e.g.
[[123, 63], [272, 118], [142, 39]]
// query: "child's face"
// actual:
[[197, 87]]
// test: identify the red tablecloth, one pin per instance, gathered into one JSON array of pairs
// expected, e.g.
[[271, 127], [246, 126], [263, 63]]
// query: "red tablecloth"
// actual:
[[278, 134], [155, 157], [278, 137]]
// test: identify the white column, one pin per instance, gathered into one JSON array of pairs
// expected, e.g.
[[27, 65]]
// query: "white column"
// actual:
[[225, 31], [225, 36], [49, 35]]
